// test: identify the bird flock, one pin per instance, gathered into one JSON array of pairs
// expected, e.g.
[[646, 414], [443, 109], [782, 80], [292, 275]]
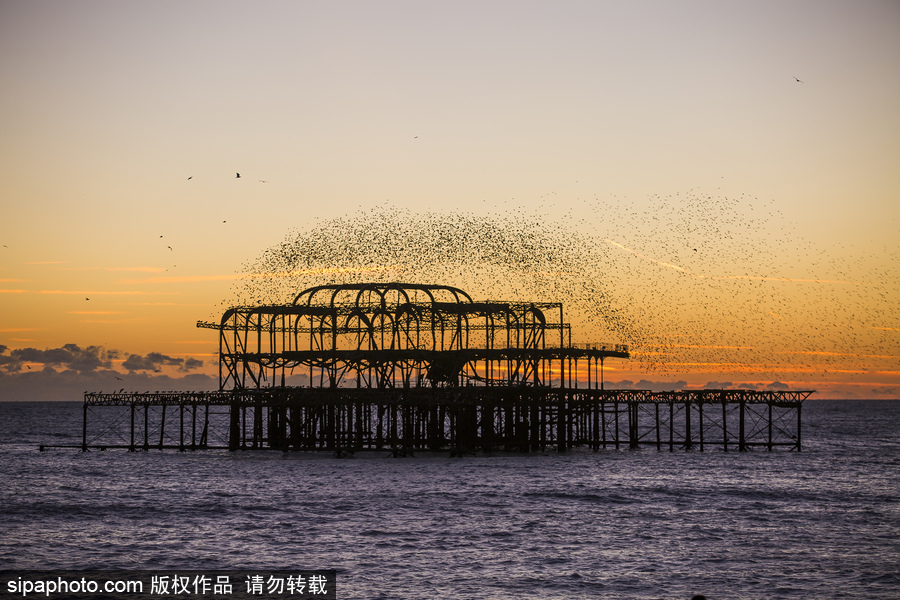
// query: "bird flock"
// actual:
[[690, 281]]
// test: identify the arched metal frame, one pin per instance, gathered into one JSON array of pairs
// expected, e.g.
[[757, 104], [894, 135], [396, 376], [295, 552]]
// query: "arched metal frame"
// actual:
[[400, 335]]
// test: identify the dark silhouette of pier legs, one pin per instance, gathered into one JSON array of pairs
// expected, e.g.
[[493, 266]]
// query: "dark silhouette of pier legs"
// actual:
[[459, 420]]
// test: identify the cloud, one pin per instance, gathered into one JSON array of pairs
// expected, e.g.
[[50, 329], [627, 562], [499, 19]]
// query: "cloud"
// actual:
[[69, 385], [68, 357], [660, 386], [891, 391], [777, 385], [64, 373], [154, 361], [643, 384], [92, 359], [718, 385]]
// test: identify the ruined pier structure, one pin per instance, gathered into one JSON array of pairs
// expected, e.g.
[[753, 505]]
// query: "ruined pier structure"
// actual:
[[407, 368]]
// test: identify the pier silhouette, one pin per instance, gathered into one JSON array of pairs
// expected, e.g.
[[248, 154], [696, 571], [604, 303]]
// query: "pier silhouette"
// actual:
[[407, 368]]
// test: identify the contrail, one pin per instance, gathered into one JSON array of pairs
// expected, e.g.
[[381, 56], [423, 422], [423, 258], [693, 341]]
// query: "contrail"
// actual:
[[664, 264], [722, 277]]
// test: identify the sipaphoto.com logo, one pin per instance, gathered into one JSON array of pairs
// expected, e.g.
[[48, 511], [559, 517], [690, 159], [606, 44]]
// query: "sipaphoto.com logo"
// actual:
[[301, 584], [61, 587]]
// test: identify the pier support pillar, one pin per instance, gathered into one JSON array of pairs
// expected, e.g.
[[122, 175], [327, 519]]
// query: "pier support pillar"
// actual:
[[234, 428]]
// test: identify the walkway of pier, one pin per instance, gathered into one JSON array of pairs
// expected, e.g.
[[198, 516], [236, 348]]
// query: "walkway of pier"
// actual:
[[458, 420]]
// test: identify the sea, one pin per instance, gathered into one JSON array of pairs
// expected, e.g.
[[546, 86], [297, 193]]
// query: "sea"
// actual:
[[822, 523]]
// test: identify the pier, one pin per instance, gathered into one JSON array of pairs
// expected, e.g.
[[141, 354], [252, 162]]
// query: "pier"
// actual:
[[460, 421], [407, 368]]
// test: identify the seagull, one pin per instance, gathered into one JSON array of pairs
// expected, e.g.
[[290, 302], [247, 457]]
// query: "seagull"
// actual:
[[87, 298], [119, 378], [237, 175], [169, 247], [795, 79], [190, 177]]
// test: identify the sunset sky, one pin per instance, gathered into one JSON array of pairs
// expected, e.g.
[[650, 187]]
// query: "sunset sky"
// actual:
[[737, 162]]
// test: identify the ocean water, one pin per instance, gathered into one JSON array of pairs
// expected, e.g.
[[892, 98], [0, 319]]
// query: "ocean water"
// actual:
[[636, 524]]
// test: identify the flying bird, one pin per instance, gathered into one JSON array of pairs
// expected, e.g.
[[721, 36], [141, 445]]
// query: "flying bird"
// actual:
[[190, 177], [237, 175], [797, 80], [169, 247]]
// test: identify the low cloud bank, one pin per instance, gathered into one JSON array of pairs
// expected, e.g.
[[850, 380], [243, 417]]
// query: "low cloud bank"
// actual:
[[65, 373], [92, 359], [154, 361], [643, 384], [48, 384], [70, 357]]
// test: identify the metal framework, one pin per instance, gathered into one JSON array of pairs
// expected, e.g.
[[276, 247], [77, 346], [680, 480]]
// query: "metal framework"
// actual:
[[408, 368], [394, 335]]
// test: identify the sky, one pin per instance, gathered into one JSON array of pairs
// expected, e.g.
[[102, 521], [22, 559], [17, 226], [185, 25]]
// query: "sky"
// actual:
[[729, 168]]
